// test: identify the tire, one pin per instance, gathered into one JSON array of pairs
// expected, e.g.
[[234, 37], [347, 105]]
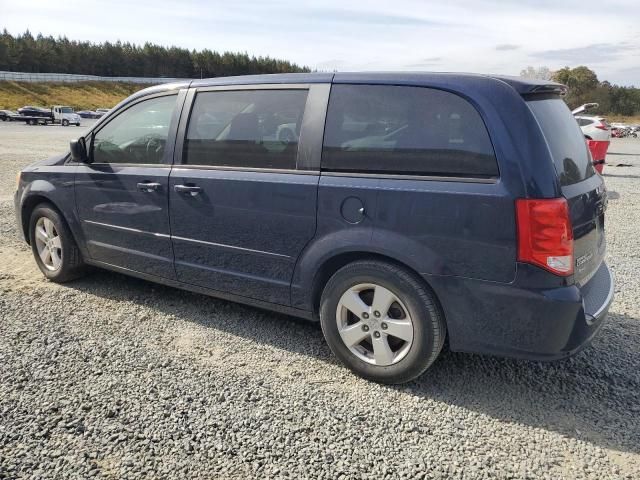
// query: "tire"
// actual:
[[69, 265], [413, 313], [77, 124], [65, 123]]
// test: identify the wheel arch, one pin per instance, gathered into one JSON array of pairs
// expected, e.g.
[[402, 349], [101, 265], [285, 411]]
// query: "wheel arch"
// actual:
[[334, 263], [29, 205]]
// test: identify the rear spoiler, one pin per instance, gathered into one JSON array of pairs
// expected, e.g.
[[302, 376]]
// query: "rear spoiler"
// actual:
[[528, 86]]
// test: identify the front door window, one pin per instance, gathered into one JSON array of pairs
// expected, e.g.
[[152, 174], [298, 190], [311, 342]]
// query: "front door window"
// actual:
[[136, 136]]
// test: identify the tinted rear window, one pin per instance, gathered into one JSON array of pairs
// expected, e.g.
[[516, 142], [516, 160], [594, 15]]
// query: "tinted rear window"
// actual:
[[245, 128], [565, 139], [405, 130]]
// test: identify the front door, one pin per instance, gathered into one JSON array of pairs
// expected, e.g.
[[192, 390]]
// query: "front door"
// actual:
[[242, 208], [122, 196]]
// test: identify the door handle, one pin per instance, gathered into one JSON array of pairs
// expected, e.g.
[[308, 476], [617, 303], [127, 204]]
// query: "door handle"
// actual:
[[148, 186], [192, 190]]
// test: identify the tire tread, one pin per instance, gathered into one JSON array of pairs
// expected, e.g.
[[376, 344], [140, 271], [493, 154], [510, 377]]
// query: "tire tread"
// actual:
[[423, 292], [73, 265]]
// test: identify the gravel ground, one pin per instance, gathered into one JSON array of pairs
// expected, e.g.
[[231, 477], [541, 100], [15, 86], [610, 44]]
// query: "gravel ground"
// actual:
[[113, 377]]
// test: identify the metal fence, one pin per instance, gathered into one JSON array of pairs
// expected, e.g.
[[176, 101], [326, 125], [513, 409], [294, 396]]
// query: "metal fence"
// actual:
[[68, 77]]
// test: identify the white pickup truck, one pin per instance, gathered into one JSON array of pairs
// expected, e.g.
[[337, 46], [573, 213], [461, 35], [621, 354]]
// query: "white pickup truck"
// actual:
[[60, 114]]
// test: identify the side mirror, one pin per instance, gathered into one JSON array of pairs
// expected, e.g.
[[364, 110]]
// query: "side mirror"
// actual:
[[79, 150]]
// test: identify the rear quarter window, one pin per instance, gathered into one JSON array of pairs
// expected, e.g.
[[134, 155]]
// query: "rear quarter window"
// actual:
[[405, 130], [564, 138]]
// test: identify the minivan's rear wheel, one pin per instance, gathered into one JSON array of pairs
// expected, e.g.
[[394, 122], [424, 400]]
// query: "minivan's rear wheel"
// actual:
[[53, 245], [381, 321]]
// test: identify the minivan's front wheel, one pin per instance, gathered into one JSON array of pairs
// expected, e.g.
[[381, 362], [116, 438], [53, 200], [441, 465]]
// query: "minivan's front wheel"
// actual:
[[381, 321], [53, 245]]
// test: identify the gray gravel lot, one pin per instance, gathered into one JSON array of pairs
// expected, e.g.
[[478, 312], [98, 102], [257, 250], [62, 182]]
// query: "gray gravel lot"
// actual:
[[113, 377]]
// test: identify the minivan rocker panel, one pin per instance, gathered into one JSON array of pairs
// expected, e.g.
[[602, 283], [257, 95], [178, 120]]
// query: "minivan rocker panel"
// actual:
[[395, 208]]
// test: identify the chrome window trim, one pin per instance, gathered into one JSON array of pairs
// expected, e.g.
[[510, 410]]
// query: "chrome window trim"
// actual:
[[244, 169], [139, 165], [401, 176], [257, 86]]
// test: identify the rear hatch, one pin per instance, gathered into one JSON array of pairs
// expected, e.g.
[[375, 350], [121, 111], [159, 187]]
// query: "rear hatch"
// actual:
[[582, 187]]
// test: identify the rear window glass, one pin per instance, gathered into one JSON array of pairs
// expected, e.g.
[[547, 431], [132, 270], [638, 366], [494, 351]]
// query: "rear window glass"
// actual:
[[405, 130], [564, 138]]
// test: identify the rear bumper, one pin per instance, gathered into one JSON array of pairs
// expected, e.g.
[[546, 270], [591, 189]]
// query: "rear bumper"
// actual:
[[530, 323], [597, 295]]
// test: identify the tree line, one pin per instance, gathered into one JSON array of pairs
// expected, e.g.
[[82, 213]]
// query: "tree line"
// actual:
[[40, 54], [585, 87]]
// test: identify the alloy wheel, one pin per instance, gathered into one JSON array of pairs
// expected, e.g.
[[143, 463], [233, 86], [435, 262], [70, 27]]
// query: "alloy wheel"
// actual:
[[374, 324], [48, 244]]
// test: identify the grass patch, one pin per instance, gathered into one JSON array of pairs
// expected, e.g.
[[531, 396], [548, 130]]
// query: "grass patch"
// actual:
[[81, 96], [634, 120]]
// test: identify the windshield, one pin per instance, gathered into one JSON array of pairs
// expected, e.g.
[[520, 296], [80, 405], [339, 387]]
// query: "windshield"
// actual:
[[66, 110], [564, 138]]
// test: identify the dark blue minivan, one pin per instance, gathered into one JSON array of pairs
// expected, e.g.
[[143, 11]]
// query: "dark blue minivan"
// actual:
[[398, 209]]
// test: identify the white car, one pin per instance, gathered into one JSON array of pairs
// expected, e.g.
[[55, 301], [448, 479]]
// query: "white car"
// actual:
[[597, 133], [594, 128]]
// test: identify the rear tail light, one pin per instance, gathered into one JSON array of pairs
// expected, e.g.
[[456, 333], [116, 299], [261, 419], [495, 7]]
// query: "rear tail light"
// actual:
[[545, 236], [601, 126]]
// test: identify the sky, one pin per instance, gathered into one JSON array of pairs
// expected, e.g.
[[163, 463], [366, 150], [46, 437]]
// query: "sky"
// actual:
[[483, 36]]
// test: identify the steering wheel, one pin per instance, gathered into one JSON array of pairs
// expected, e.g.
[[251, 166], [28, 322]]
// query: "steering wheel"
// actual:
[[153, 147], [286, 136]]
